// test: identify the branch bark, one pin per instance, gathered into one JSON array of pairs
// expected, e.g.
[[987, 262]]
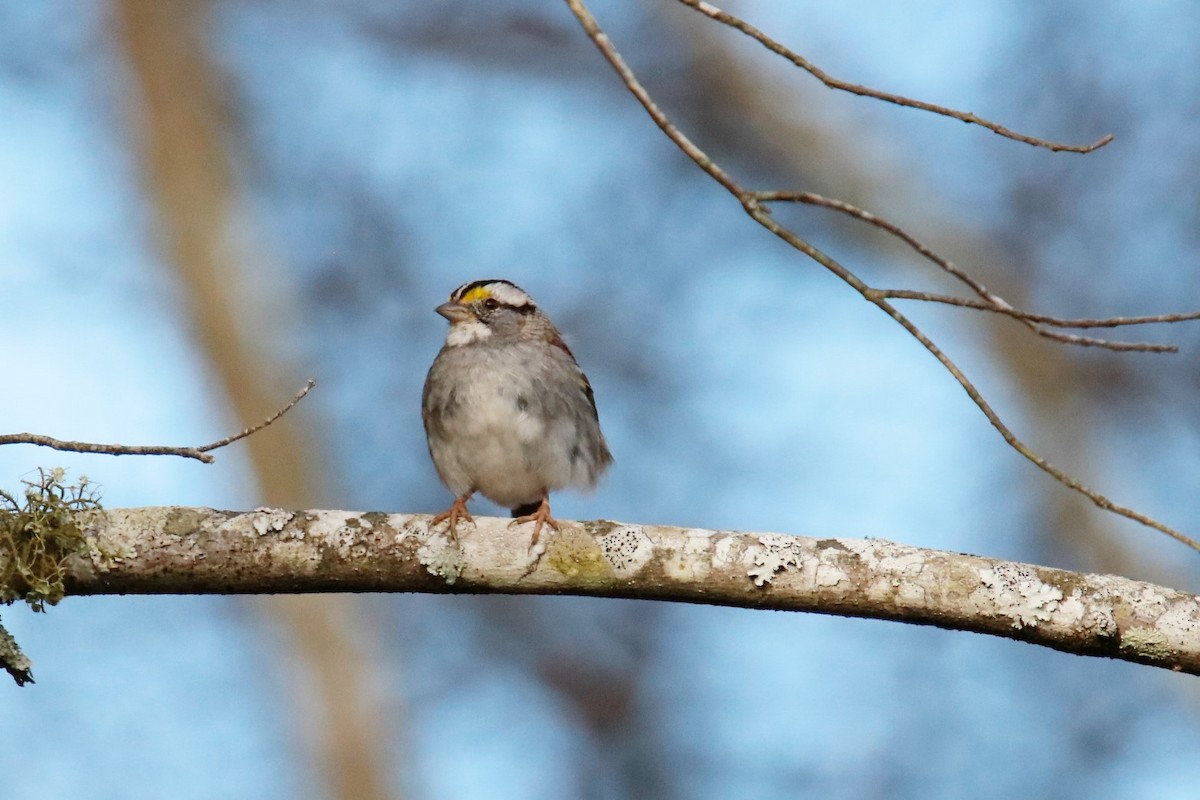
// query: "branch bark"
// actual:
[[175, 550], [13, 661]]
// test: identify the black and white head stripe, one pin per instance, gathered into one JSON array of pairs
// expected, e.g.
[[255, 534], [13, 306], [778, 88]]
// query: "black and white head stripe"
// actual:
[[504, 292]]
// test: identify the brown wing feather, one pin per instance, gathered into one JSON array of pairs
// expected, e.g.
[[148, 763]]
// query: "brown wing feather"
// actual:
[[557, 341]]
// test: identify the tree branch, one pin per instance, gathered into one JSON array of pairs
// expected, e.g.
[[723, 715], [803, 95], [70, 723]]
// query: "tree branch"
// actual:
[[725, 18], [12, 660], [755, 205], [199, 453], [175, 550], [991, 301]]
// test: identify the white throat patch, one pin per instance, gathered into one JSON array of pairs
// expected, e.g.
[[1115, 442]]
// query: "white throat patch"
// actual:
[[466, 332]]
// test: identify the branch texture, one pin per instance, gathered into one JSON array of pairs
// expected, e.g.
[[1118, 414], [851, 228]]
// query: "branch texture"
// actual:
[[175, 550], [13, 661]]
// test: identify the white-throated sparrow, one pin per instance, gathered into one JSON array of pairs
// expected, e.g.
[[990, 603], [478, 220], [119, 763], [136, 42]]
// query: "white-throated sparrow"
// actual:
[[508, 412]]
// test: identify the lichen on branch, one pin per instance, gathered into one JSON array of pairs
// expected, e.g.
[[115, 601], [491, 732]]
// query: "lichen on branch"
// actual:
[[39, 533]]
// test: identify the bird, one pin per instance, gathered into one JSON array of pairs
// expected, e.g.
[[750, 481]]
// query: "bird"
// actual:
[[508, 412]]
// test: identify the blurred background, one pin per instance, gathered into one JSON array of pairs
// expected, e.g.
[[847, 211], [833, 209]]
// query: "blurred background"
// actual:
[[202, 204]]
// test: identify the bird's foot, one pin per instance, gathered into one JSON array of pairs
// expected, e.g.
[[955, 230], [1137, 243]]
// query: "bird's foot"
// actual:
[[540, 518], [457, 511]]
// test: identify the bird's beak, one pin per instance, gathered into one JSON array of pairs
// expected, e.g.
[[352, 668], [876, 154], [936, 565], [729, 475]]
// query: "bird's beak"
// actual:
[[454, 312]]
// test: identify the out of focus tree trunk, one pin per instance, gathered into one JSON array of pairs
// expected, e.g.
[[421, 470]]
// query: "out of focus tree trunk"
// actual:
[[178, 122]]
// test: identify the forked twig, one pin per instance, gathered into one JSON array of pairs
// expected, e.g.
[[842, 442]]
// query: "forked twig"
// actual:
[[725, 18], [997, 304], [753, 203], [992, 302], [198, 453], [1058, 322]]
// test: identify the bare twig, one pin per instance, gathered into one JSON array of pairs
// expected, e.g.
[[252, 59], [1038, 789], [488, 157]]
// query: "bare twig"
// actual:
[[814, 199], [1069, 338], [1057, 322], [753, 203], [1107, 344], [249, 431], [198, 453], [725, 18], [992, 302]]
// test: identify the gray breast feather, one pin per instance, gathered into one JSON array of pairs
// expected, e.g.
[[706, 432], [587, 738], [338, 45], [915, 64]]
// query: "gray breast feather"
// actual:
[[509, 420]]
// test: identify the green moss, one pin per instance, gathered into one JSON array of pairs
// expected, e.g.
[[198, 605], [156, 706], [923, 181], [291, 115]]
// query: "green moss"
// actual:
[[39, 534]]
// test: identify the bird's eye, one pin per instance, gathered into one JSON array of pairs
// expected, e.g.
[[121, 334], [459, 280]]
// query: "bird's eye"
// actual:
[[491, 304]]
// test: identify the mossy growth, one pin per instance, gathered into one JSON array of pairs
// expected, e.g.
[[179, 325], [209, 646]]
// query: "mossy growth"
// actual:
[[40, 533]]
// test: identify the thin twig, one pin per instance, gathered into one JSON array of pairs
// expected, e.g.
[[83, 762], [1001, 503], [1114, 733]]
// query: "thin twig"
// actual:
[[104, 449], [814, 199], [1058, 322], [248, 431], [1069, 338], [198, 453], [725, 18], [752, 202], [992, 301], [1107, 344]]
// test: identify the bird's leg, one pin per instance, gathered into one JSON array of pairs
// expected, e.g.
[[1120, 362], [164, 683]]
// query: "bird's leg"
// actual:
[[457, 511], [540, 517]]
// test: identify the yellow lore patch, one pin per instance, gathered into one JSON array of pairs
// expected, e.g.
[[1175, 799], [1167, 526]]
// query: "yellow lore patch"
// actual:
[[478, 293]]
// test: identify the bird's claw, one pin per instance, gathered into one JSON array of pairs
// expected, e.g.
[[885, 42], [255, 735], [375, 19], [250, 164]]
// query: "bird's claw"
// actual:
[[540, 518], [457, 511]]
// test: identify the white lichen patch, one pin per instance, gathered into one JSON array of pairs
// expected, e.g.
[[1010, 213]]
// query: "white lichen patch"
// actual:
[[1018, 593], [889, 558], [408, 527], [723, 551], [334, 528], [829, 575], [441, 557], [627, 549], [773, 554], [270, 520], [1168, 623], [108, 550], [114, 536], [1181, 617], [691, 561], [894, 573], [537, 549], [1071, 609]]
